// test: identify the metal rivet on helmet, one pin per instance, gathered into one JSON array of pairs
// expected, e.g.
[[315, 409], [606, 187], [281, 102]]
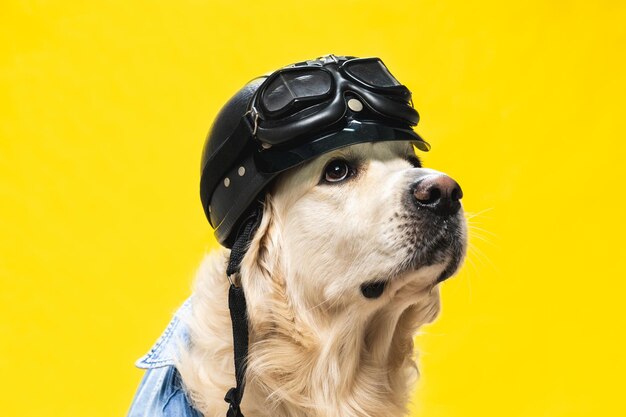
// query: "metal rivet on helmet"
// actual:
[[355, 105]]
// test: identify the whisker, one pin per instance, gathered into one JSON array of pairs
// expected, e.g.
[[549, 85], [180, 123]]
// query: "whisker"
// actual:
[[470, 215], [480, 256], [480, 237], [480, 229]]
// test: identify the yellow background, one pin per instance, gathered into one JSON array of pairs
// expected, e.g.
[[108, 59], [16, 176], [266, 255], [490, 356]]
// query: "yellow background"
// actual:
[[103, 111]]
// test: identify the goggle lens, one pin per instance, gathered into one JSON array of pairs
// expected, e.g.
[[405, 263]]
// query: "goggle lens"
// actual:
[[372, 72], [289, 86]]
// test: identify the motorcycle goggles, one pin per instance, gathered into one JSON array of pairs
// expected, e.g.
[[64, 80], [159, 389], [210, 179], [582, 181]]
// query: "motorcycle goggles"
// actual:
[[307, 112], [312, 96]]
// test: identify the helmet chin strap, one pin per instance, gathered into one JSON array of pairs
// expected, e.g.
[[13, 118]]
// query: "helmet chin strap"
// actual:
[[238, 315]]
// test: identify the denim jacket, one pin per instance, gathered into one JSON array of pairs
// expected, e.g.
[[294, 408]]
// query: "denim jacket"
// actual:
[[161, 392]]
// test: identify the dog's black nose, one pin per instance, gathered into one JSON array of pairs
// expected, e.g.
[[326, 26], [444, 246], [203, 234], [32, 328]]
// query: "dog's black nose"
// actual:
[[438, 193]]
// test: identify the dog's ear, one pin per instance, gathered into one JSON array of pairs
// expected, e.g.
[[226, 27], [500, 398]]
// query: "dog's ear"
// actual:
[[264, 280], [275, 330]]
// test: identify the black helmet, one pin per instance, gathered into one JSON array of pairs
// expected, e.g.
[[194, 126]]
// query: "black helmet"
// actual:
[[290, 116]]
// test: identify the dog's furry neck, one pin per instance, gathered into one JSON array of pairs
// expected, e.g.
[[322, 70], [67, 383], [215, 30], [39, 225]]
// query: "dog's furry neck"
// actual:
[[352, 365]]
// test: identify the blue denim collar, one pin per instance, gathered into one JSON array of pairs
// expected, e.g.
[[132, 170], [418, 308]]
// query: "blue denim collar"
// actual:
[[165, 351]]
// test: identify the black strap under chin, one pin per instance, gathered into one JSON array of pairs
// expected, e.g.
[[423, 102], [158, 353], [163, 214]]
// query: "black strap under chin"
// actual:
[[237, 306]]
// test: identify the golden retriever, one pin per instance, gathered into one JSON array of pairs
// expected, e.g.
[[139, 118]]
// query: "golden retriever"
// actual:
[[340, 274]]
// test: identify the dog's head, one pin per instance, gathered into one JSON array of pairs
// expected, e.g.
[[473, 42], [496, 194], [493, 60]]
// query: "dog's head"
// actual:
[[340, 273], [359, 228]]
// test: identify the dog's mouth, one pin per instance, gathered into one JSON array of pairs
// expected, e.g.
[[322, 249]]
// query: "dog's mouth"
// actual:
[[438, 241]]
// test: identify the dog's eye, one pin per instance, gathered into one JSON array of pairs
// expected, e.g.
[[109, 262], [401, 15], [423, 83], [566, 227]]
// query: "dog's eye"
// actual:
[[414, 160], [337, 170]]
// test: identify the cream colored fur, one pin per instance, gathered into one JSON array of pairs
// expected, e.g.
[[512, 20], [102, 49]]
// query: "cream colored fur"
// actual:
[[317, 346]]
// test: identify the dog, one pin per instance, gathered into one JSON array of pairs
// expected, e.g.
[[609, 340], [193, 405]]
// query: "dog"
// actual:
[[341, 272]]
